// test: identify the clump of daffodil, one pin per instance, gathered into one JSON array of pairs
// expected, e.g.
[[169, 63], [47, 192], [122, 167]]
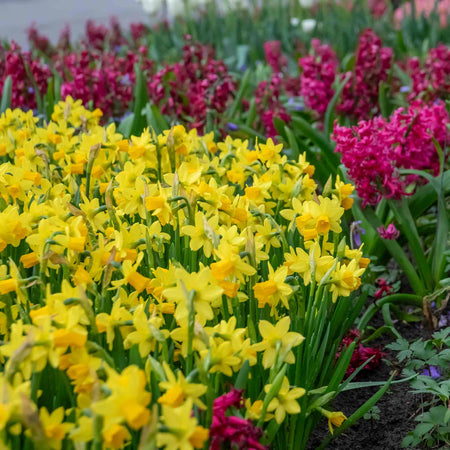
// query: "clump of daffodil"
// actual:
[[142, 276]]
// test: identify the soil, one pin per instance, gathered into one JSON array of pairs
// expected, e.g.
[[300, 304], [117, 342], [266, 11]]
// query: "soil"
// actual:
[[398, 407]]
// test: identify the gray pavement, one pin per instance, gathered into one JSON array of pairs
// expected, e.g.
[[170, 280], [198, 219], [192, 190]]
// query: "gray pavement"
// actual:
[[51, 15]]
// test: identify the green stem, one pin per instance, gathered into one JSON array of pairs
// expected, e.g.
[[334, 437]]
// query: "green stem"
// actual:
[[410, 299], [404, 217], [191, 324]]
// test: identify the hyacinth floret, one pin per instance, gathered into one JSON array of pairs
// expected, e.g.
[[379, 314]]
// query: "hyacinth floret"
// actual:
[[233, 429], [372, 66], [431, 80], [375, 150], [318, 74]]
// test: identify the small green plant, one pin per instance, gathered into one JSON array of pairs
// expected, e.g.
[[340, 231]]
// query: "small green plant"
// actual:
[[430, 361], [373, 413]]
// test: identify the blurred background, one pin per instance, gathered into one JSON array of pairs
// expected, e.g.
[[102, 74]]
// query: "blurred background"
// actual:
[[50, 16]]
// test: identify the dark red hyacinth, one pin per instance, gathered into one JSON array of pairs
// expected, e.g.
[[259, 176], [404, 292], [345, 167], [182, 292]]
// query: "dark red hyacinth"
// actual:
[[232, 430]]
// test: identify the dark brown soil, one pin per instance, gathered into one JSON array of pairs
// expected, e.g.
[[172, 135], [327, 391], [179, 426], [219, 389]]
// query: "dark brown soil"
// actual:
[[398, 407]]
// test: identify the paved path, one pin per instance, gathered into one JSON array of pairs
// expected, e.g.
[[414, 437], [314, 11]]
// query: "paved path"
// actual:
[[51, 15]]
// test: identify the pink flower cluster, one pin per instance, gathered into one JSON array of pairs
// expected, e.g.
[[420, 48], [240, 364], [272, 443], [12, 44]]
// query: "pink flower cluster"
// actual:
[[193, 88], [102, 74], [372, 66], [383, 288], [25, 73], [389, 233], [318, 74], [268, 94], [274, 56], [432, 79], [375, 150], [377, 7], [97, 37], [93, 74], [232, 430], [103, 78], [39, 41], [361, 354], [269, 105]]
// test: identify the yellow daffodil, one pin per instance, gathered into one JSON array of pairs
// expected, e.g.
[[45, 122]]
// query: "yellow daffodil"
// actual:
[[274, 289], [183, 432], [178, 390], [285, 400], [277, 335], [335, 418]]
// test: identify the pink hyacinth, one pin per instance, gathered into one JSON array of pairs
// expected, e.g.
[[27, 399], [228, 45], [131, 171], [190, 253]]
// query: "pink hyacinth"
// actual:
[[318, 74], [103, 78], [372, 66], [375, 150], [138, 31], [100, 36], [413, 131], [432, 79], [38, 41], [274, 56], [14, 62], [232, 430], [64, 39], [377, 7], [390, 233], [197, 86], [269, 105]]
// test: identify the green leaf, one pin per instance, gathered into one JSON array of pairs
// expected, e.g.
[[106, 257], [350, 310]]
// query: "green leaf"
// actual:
[[157, 368], [393, 299], [126, 125], [6, 95], [280, 126], [155, 119], [140, 100], [382, 98], [403, 215], [397, 253], [273, 391], [423, 428], [354, 374], [250, 132], [322, 400], [426, 195], [242, 378], [378, 332], [49, 99], [292, 143], [366, 384], [244, 85], [341, 368], [37, 92], [329, 115], [320, 140]]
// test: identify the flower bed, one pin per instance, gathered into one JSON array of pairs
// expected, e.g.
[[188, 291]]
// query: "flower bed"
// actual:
[[159, 273], [184, 258]]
